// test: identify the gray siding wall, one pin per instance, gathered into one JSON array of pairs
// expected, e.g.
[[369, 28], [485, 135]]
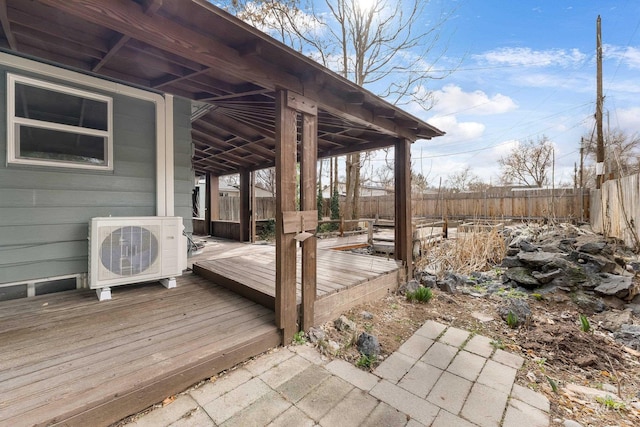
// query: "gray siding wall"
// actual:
[[184, 178], [44, 211]]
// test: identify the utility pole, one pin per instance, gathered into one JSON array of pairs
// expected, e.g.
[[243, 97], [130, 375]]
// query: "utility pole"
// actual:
[[599, 102], [581, 162]]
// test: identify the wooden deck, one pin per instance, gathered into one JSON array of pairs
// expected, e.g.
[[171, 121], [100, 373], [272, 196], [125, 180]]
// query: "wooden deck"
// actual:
[[67, 358], [344, 279]]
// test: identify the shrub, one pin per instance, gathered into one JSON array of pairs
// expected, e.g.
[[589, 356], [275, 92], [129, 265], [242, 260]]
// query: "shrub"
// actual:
[[421, 294]]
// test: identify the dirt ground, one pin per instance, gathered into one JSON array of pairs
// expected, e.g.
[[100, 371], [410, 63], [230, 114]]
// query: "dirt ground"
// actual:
[[558, 354]]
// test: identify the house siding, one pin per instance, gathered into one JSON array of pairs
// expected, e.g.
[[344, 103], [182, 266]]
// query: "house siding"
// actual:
[[45, 211], [184, 176]]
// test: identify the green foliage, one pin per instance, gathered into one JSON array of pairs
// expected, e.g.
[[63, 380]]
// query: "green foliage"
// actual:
[[553, 384], [320, 204], [512, 320], [585, 326], [366, 361], [610, 403], [498, 344], [335, 205], [299, 338], [269, 230], [421, 294], [539, 297]]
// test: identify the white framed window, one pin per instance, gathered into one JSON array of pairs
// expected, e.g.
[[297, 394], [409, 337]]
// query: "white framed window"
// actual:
[[53, 125]]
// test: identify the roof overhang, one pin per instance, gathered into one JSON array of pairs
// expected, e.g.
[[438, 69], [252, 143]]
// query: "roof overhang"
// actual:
[[195, 50]]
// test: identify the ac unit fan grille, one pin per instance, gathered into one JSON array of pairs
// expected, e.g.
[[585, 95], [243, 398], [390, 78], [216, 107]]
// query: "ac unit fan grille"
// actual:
[[128, 251]]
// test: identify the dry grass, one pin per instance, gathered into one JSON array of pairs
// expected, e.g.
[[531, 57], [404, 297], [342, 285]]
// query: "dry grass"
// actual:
[[477, 250]]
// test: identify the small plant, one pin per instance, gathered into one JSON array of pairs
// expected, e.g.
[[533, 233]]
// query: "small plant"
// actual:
[[299, 338], [366, 361], [497, 344], [539, 297], [512, 320], [553, 384], [585, 326], [610, 403], [421, 294]]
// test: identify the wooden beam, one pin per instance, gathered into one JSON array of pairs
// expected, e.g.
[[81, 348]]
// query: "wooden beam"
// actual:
[[245, 198], [403, 229], [308, 202], [234, 95], [6, 26], [128, 18], [115, 47], [286, 307]]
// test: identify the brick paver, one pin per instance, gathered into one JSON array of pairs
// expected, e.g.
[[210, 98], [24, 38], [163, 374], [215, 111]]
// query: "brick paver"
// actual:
[[420, 379], [450, 392], [394, 367], [454, 337], [350, 373], [520, 414], [485, 406], [467, 365], [497, 376], [441, 377], [431, 329], [351, 411], [439, 355]]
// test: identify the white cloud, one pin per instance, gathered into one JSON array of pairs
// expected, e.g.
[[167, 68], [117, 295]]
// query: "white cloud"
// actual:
[[526, 57], [457, 131], [629, 55], [452, 99], [628, 119]]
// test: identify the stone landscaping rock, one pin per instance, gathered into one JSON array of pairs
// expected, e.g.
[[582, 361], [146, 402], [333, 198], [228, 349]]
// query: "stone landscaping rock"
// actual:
[[613, 320], [518, 307], [522, 276], [511, 261], [344, 324], [618, 286], [366, 315], [629, 335], [592, 247], [588, 303], [316, 334], [368, 345], [536, 260], [410, 286], [547, 277], [429, 281], [528, 247]]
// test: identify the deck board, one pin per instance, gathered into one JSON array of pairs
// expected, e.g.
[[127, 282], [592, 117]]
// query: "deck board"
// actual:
[[105, 360], [252, 273]]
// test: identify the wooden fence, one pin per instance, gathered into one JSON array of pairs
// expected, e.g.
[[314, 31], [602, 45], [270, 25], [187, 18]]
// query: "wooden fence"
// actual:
[[615, 209], [560, 204]]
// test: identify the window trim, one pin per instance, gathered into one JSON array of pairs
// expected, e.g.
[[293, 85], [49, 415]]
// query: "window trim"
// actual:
[[13, 121]]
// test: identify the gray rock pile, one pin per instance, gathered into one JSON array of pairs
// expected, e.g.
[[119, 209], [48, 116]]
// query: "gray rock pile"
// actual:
[[561, 262]]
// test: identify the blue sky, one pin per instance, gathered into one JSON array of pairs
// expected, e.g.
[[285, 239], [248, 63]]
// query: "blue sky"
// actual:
[[529, 70]]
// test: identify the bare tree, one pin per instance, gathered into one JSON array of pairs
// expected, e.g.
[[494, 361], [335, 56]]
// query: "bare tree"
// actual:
[[462, 180], [528, 163], [393, 45], [622, 152], [266, 179]]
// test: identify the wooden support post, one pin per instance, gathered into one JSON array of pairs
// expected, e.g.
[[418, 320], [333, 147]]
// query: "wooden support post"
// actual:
[[212, 201], [403, 229], [245, 209], [285, 139], [214, 195], [308, 202], [252, 230], [207, 203]]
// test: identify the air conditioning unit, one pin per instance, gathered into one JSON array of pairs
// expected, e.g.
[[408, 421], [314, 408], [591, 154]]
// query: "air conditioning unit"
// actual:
[[125, 250]]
